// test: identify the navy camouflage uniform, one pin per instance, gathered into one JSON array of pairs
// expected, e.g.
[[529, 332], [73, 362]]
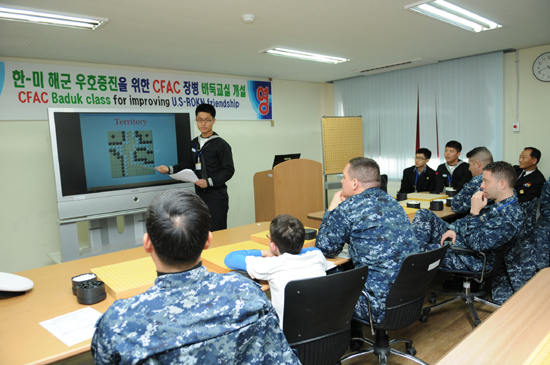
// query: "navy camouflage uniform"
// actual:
[[193, 317], [379, 235], [519, 263], [530, 253], [462, 201], [496, 224], [540, 239]]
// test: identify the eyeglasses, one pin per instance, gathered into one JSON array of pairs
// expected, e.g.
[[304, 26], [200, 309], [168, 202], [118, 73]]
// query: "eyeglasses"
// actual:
[[199, 120], [268, 237], [419, 158]]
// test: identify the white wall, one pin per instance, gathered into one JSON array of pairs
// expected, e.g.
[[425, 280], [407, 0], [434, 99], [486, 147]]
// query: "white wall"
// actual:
[[534, 108], [28, 208]]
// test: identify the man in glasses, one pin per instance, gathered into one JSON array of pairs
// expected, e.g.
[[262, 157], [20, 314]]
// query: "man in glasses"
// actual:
[[212, 161], [419, 177]]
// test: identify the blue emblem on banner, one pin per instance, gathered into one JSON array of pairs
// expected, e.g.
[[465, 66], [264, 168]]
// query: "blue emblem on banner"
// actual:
[[259, 93]]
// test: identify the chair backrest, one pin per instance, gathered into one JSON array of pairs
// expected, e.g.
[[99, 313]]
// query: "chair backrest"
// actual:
[[384, 182], [321, 306], [406, 298]]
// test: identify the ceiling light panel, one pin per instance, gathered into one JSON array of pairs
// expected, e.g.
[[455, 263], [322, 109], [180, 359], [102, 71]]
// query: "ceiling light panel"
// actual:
[[302, 55], [62, 20], [452, 14]]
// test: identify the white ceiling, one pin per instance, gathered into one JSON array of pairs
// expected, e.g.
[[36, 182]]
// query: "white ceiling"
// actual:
[[210, 36]]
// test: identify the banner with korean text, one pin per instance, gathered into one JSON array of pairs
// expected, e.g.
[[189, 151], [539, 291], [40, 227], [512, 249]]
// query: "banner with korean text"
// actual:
[[28, 89]]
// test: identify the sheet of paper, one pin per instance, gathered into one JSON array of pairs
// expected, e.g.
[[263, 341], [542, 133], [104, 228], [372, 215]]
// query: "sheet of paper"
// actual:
[[74, 327], [185, 175]]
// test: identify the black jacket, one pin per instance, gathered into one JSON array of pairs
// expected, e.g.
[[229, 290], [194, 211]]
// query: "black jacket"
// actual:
[[460, 176], [529, 187], [425, 182], [216, 166]]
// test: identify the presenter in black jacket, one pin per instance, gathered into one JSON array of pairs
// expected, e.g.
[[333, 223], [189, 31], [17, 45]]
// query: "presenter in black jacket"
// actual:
[[419, 177], [530, 179], [212, 161]]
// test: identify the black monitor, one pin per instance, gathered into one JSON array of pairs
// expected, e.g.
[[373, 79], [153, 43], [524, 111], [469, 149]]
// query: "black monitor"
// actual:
[[282, 158]]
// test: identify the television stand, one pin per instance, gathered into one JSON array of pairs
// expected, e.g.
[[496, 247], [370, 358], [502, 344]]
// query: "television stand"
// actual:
[[103, 233]]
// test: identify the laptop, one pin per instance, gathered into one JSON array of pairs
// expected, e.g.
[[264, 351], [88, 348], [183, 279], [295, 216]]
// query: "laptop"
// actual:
[[282, 158]]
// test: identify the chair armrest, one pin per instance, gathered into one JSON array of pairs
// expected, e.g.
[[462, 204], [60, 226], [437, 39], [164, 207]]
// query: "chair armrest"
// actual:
[[472, 252], [370, 312]]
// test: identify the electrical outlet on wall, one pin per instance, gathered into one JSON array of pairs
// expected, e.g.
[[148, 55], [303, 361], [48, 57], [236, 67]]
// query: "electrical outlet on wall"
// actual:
[[515, 126]]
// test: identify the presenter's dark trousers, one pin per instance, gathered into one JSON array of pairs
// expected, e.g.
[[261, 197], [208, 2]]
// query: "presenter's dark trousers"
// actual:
[[217, 201]]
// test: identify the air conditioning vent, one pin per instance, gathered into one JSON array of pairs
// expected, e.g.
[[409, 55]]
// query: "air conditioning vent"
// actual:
[[395, 66]]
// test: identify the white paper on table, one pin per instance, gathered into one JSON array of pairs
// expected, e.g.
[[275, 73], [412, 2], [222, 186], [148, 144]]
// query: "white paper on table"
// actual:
[[74, 327], [186, 175]]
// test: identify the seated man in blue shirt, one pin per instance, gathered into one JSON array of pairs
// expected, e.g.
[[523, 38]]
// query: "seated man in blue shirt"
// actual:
[[495, 217], [375, 227], [478, 158], [189, 316], [419, 177]]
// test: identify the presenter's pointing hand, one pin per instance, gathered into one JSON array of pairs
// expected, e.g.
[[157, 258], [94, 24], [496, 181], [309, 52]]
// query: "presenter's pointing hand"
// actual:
[[162, 169]]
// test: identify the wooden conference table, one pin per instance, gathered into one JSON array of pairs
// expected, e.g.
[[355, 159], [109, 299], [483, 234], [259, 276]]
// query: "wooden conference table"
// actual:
[[513, 332], [24, 341], [445, 214]]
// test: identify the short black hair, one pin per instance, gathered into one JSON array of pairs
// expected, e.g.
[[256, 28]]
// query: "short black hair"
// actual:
[[535, 153], [207, 108], [426, 152], [454, 144], [288, 233], [365, 170], [482, 154], [503, 171], [178, 223]]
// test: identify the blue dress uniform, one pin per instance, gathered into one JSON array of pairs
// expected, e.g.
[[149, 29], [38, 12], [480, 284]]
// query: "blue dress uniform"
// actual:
[[379, 235], [496, 224], [462, 202], [193, 317]]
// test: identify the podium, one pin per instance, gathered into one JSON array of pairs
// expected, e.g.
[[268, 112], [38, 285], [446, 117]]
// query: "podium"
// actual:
[[293, 187]]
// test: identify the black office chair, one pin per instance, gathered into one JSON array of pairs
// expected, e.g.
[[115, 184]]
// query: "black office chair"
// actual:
[[384, 182], [403, 306], [317, 315], [467, 277]]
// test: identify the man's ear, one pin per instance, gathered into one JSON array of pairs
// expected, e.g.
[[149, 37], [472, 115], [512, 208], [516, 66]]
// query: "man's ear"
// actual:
[[355, 184], [147, 244], [208, 241], [427, 160]]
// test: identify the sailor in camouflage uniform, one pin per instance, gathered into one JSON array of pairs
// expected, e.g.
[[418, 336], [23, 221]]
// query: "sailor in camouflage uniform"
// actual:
[[376, 228], [478, 158], [190, 316], [540, 241], [487, 227]]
